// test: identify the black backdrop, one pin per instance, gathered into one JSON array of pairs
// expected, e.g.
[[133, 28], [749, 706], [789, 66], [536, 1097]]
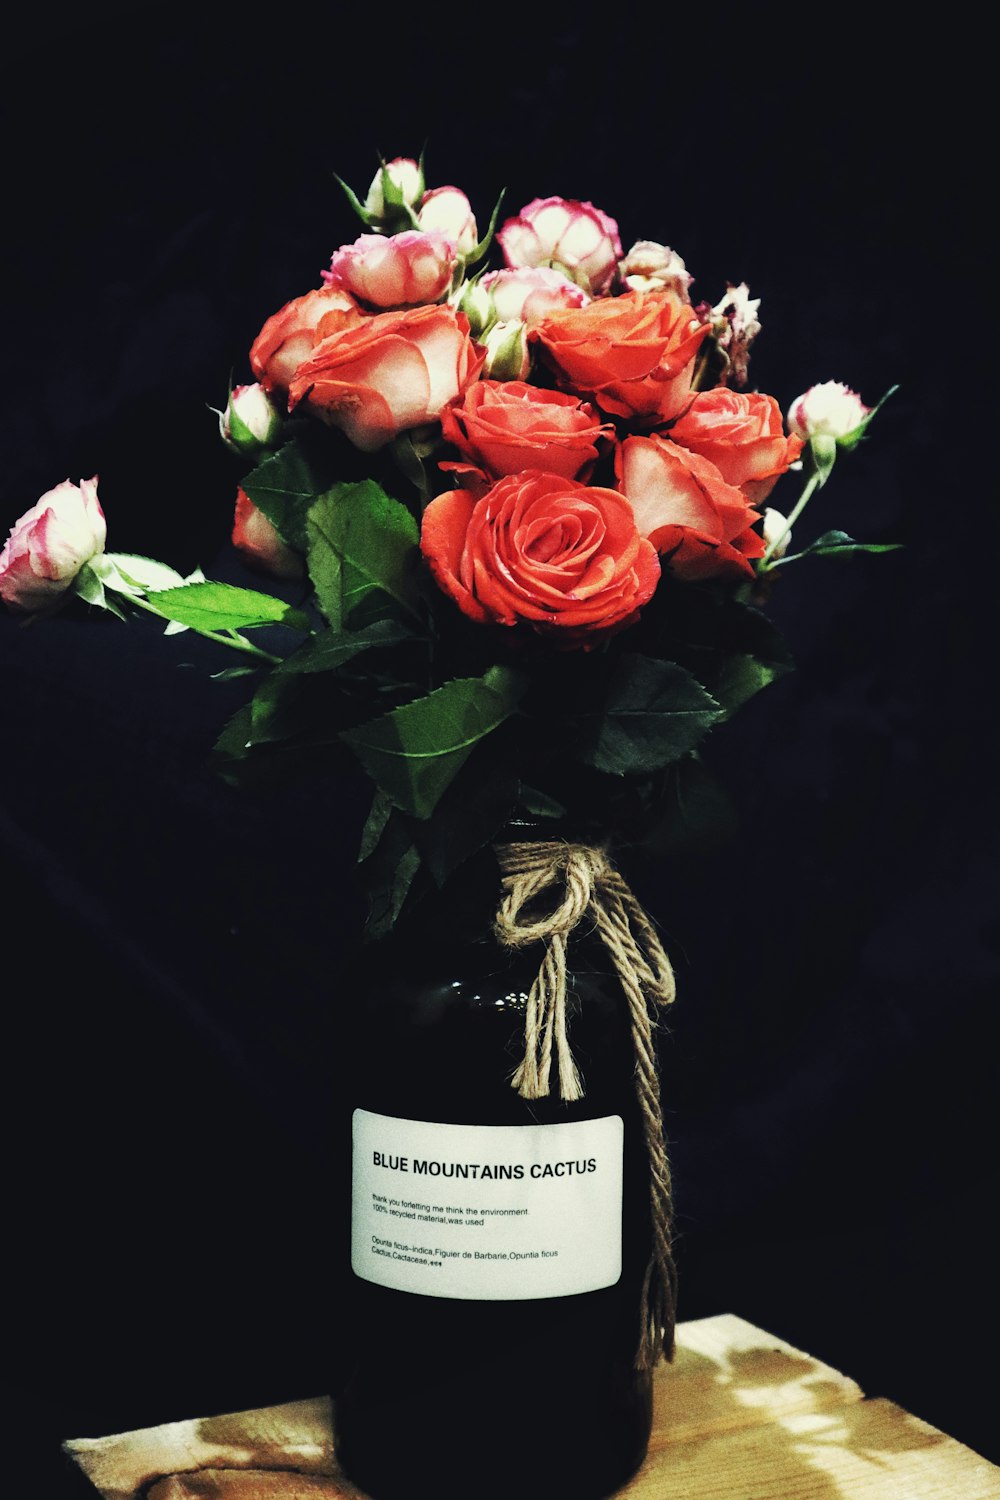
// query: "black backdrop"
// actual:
[[176, 952]]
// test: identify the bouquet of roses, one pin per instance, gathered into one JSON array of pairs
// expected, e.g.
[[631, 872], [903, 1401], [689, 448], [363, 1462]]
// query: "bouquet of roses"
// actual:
[[517, 520]]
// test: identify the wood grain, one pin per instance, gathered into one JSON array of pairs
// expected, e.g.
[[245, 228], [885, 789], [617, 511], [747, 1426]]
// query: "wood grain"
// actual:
[[740, 1415]]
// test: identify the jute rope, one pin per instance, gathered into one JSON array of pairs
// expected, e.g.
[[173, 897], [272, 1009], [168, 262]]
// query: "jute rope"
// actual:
[[549, 888]]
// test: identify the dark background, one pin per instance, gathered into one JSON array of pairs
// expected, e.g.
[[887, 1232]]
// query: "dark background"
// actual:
[[176, 952]]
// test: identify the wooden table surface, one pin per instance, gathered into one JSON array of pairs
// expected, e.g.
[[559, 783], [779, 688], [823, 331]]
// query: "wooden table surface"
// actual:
[[740, 1415]]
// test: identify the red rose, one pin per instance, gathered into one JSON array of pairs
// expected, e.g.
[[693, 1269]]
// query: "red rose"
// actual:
[[743, 435], [394, 371], [288, 337], [701, 524], [506, 426], [565, 556], [634, 354]]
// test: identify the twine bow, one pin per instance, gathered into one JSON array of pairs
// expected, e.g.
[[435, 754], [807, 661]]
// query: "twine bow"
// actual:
[[583, 883]]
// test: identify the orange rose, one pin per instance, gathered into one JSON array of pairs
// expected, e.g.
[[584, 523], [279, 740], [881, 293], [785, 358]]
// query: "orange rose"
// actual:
[[505, 426], [288, 337], [565, 556], [743, 435], [701, 524], [393, 371], [634, 354]]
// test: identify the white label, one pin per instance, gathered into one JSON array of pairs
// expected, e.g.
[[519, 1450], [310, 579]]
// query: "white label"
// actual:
[[487, 1212]]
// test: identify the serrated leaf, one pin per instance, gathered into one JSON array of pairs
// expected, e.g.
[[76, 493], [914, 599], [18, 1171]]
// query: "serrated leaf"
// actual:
[[415, 752], [222, 606], [360, 540], [332, 648], [654, 712], [286, 484]]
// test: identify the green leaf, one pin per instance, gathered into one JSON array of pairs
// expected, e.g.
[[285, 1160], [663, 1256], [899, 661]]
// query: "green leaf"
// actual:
[[361, 540], [332, 648], [286, 484], [414, 753], [388, 872], [654, 712], [472, 811], [233, 743], [128, 574], [221, 606], [378, 816], [838, 544]]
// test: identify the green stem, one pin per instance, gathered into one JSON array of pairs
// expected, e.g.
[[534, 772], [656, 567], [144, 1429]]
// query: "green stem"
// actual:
[[230, 638], [811, 485]]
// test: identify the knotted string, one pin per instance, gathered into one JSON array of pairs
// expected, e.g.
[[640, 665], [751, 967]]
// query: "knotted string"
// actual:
[[583, 882]]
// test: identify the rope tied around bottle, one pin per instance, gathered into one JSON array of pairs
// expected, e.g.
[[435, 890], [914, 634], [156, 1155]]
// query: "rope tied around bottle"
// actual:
[[549, 889]]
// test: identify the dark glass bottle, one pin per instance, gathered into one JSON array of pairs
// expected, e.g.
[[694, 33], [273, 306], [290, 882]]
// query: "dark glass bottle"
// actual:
[[451, 1397]]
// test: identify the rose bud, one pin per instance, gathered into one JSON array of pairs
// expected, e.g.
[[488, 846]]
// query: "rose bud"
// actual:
[[449, 210], [649, 265], [777, 532], [400, 270], [251, 421], [49, 545], [507, 353], [257, 541], [576, 238], [529, 293], [830, 410], [477, 304], [565, 557], [397, 186]]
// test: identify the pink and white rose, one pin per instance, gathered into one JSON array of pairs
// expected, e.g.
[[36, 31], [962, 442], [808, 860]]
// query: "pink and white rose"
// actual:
[[576, 238], [401, 270], [49, 545], [251, 421], [448, 209], [829, 410], [527, 294]]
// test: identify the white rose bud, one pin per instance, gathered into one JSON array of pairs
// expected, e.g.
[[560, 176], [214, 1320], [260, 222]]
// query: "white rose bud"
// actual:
[[830, 410], [776, 530], [507, 353], [405, 186], [251, 420], [448, 208]]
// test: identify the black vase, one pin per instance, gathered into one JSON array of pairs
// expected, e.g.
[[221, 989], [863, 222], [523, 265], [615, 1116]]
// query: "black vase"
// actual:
[[497, 1271]]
